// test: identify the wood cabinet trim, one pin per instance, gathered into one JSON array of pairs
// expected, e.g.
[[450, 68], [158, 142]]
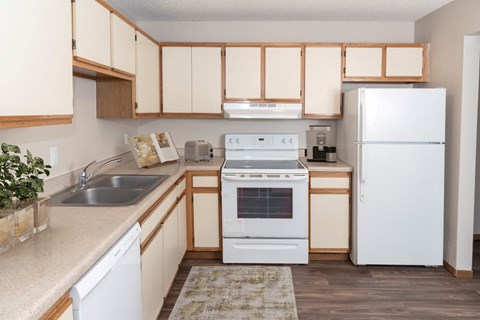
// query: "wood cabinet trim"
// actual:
[[331, 174], [329, 250], [57, 310], [97, 71], [7, 122], [329, 191]]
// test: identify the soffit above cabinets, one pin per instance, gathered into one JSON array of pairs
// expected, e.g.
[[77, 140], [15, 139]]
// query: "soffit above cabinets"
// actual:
[[277, 10]]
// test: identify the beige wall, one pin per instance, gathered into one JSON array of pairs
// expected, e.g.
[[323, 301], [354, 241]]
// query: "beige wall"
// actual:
[[451, 67], [87, 139], [280, 31]]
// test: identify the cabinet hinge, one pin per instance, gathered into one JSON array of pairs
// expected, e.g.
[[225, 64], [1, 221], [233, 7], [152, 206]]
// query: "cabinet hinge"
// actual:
[[344, 70], [224, 92], [136, 105], [74, 44], [73, 1], [300, 93], [344, 53], [135, 37]]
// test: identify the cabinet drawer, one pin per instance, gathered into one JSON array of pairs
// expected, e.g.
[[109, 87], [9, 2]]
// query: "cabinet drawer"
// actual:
[[205, 181], [329, 183], [149, 224], [181, 186]]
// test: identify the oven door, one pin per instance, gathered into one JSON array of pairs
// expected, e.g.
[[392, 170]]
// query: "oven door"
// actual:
[[265, 208]]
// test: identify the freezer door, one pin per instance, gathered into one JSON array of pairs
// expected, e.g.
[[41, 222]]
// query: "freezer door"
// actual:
[[398, 211], [402, 115]]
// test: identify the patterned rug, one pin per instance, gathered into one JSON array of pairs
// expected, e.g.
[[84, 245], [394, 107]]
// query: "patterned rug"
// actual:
[[237, 292]]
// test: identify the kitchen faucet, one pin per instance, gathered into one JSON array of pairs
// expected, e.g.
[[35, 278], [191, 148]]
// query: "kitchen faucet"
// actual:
[[83, 178]]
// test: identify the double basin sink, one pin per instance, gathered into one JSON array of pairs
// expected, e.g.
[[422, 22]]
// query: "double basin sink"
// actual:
[[110, 190]]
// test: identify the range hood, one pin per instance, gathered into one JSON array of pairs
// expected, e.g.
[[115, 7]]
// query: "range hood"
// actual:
[[262, 110]]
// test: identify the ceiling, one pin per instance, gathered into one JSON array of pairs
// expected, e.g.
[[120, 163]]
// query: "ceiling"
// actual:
[[277, 10]]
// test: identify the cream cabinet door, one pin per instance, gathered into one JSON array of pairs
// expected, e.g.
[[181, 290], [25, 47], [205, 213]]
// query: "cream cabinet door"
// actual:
[[152, 278], [147, 75], [404, 62], [243, 73], [36, 58], [206, 80], [91, 31], [329, 221], [170, 250], [363, 62], [123, 45], [323, 80], [177, 79], [182, 228], [206, 220], [283, 73]]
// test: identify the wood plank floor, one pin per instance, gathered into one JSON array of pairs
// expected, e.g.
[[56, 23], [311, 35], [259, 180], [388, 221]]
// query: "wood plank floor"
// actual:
[[338, 290]]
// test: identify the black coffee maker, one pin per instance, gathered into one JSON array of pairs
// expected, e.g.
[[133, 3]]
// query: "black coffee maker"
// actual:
[[320, 145]]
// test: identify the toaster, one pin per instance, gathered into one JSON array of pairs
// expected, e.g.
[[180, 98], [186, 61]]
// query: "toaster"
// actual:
[[198, 150]]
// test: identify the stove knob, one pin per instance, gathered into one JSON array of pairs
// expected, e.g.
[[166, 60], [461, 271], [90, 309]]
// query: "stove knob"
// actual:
[[290, 140], [284, 140], [237, 140], [230, 140]]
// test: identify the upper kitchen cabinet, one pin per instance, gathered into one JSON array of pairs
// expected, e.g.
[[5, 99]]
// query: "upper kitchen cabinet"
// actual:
[[243, 73], [123, 45], [147, 77], [386, 63], [264, 73], [36, 83], [192, 81], [91, 32], [283, 73], [323, 81]]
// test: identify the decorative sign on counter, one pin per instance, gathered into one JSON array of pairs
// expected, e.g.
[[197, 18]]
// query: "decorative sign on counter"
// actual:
[[153, 148]]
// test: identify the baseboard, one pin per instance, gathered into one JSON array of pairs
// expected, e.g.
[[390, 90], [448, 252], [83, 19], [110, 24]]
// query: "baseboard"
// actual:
[[328, 256], [210, 255], [457, 273], [476, 237]]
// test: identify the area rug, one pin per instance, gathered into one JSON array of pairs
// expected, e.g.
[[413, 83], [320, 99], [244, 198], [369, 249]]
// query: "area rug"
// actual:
[[236, 292]]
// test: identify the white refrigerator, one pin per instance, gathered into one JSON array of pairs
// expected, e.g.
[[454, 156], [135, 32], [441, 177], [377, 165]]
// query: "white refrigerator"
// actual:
[[395, 141]]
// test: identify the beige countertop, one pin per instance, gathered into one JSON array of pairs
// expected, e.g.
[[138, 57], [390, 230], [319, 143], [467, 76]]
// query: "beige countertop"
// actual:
[[338, 166], [37, 272]]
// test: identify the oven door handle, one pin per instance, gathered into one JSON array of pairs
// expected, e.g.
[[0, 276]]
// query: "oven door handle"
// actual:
[[299, 178]]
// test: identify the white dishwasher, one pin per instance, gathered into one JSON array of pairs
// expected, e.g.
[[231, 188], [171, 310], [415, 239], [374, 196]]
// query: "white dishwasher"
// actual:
[[111, 289]]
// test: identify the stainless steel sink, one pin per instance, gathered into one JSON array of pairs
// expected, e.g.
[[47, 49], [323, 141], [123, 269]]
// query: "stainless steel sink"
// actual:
[[105, 197], [129, 181], [110, 190]]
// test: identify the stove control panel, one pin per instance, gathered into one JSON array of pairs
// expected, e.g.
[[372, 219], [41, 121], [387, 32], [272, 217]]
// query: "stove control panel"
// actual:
[[261, 141]]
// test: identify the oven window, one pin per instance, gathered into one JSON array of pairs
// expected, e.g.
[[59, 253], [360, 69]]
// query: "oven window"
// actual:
[[265, 203]]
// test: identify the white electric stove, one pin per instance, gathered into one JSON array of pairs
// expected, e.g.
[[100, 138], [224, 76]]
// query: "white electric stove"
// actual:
[[264, 200]]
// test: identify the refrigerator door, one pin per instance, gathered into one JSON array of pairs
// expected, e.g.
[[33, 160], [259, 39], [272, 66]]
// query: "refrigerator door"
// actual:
[[398, 210], [403, 115]]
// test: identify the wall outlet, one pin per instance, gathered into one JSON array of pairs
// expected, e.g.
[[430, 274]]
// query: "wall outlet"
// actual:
[[53, 156], [126, 138]]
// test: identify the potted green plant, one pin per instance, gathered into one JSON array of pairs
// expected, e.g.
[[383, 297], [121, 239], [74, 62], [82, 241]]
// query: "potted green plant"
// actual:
[[20, 183]]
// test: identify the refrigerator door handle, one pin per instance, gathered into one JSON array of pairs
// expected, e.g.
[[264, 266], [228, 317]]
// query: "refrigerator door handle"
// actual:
[[361, 173]]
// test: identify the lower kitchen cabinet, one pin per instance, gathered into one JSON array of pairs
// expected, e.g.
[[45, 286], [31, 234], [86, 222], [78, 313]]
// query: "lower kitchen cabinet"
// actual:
[[170, 249], [163, 247], [152, 277], [205, 220], [203, 211], [330, 212]]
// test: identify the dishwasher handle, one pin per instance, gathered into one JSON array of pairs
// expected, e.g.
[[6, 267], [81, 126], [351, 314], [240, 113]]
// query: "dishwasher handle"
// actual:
[[106, 263]]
